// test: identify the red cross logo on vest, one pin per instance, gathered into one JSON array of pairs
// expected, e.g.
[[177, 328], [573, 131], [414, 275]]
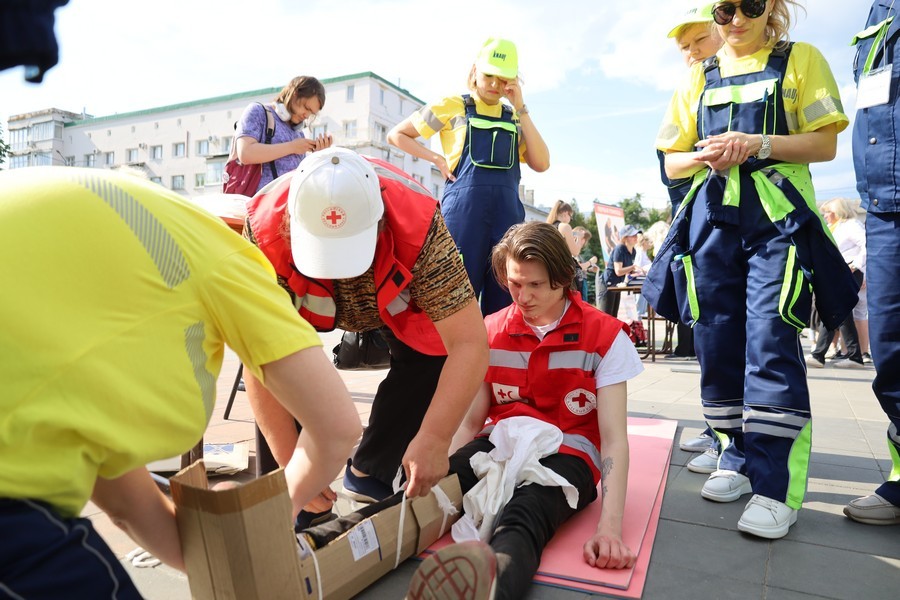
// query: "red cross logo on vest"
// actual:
[[505, 393], [334, 217], [581, 401]]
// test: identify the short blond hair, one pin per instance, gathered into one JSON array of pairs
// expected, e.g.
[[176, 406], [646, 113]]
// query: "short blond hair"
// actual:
[[842, 208]]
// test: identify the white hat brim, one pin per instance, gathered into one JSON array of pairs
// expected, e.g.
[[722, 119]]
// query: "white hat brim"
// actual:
[[333, 258]]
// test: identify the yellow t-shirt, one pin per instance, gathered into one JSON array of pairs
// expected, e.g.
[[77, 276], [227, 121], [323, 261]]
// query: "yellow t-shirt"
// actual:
[[810, 95], [448, 117], [118, 298]]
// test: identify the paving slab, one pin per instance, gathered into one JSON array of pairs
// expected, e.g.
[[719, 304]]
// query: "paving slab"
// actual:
[[698, 552]]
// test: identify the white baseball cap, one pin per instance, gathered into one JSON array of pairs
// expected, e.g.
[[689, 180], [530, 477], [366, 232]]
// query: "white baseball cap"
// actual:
[[335, 205]]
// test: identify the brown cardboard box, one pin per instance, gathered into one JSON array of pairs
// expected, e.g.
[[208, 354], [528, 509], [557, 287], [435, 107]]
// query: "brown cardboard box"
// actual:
[[239, 543]]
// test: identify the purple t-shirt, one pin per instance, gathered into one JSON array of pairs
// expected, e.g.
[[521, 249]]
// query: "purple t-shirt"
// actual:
[[253, 124]]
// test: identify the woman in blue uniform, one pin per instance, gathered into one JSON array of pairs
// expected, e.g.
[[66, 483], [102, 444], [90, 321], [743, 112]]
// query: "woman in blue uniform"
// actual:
[[747, 245]]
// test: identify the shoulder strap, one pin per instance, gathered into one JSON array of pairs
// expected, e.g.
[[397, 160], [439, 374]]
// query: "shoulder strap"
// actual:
[[711, 70], [267, 138]]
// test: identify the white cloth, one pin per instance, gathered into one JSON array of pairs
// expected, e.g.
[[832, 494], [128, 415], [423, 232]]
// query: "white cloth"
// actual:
[[850, 237], [520, 443]]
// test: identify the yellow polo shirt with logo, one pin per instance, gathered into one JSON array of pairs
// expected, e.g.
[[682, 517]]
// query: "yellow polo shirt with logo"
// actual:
[[448, 117], [118, 299], [810, 95]]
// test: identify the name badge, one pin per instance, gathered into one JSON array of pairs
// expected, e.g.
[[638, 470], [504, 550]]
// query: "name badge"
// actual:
[[874, 88]]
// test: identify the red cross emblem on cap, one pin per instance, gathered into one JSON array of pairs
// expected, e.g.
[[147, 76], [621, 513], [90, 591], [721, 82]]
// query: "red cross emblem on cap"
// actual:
[[334, 217]]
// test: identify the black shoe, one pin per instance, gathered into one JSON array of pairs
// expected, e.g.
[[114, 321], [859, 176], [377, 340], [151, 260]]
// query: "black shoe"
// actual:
[[678, 357], [307, 519]]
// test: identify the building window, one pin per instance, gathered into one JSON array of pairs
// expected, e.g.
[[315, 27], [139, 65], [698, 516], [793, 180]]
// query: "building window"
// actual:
[[435, 190], [350, 129], [177, 182], [42, 159], [381, 96], [131, 155], [214, 171], [18, 162], [156, 152], [90, 160], [226, 144], [420, 179], [199, 179], [202, 147], [156, 180], [110, 159], [178, 150], [351, 91], [18, 138], [380, 133], [70, 161], [48, 130], [320, 130]]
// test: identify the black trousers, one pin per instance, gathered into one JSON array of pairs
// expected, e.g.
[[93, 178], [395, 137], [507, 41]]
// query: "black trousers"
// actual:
[[523, 529], [848, 332], [399, 406]]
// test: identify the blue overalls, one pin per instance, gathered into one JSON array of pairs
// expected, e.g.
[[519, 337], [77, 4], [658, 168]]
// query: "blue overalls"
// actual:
[[876, 138], [739, 260], [483, 203]]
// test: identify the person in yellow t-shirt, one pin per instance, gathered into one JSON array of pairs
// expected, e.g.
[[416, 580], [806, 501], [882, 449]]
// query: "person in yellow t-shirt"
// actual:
[[746, 247], [483, 140], [118, 299]]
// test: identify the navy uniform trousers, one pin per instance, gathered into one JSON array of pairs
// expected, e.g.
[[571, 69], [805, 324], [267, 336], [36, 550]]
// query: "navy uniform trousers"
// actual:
[[753, 376]]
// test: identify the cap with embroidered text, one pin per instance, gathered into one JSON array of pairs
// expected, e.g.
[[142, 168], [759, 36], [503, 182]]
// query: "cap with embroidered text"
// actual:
[[696, 14], [498, 57]]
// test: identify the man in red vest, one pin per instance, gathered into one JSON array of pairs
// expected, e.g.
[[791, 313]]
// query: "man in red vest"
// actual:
[[360, 246]]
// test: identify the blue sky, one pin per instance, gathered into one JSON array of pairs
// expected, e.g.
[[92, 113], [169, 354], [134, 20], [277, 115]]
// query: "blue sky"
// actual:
[[597, 75]]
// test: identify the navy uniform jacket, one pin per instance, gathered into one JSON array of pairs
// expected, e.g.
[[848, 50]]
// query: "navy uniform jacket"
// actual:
[[876, 135]]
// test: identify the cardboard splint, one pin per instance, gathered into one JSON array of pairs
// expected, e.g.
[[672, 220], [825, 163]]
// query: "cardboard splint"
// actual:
[[239, 543]]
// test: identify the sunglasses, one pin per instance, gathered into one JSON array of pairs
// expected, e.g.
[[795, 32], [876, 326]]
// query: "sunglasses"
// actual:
[[723, 14]]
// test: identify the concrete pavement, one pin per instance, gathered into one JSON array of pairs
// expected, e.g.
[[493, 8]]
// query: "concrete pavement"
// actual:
[[698, 552]]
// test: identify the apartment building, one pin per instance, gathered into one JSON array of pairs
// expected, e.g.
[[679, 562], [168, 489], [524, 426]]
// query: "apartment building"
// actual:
[[185, 146]]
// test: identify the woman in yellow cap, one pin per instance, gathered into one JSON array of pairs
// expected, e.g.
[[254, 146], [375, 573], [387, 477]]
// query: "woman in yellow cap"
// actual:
[[483, 141]]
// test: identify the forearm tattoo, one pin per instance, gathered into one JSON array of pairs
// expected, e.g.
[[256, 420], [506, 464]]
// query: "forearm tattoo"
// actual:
[[606, 465]]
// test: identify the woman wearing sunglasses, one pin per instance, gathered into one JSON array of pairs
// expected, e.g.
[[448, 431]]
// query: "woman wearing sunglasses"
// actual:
[[746, 246]]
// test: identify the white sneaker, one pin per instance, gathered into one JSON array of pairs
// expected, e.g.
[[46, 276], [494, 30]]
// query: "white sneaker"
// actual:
[[707, 462], [814, 363], [767, 518], [697, 444], [725, 486], [848, 364]]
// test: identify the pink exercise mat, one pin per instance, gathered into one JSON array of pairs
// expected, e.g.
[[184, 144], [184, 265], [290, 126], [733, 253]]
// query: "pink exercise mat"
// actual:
[[562, 565]]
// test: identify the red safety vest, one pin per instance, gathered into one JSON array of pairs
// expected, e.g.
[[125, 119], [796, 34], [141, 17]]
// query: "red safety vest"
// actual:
[[552, 379], [408, 213]]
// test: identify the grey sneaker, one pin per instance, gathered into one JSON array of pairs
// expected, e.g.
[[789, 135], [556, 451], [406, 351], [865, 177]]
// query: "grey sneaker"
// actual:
[[848, 363], [707, 462], [697, 444], [873, 510], [464, 571], [726, 486]]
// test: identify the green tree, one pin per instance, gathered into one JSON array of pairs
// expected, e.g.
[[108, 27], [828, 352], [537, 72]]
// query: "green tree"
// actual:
[[634, 211], [4, 147]]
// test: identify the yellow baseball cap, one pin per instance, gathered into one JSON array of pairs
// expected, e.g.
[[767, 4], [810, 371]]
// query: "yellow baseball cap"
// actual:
[[499, 57], [695, 14]]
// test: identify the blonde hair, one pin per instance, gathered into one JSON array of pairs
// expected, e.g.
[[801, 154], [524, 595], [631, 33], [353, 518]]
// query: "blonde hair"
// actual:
[[779, 22], [683, 29], [657, 232], [842, 208]]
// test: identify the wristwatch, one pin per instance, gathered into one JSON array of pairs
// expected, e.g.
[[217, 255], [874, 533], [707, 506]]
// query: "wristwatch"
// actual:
[[765, 149]]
